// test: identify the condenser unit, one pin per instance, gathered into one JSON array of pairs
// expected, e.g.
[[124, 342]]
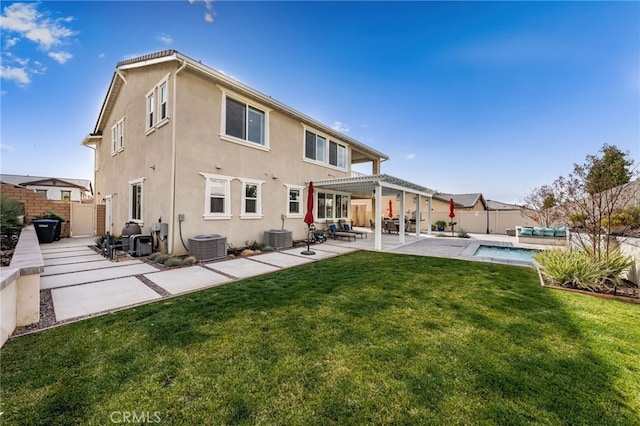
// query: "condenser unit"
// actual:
[[208, 247], [278, 238]]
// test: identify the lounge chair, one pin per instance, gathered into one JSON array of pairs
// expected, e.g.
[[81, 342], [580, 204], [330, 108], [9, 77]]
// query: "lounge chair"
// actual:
[[350, 230], [334, 233]]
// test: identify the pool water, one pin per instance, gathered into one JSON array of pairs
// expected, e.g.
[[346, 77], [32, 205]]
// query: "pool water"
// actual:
[[506, 253]]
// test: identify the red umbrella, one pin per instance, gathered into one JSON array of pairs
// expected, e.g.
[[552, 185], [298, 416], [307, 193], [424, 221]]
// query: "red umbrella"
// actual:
[[390, 209], [451, 213], [308, 218]]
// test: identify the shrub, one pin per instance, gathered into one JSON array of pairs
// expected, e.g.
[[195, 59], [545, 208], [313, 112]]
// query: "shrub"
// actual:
[[579, 269], [173, 261], [159, 257], [10, 210], [190, 260], [463, 234]]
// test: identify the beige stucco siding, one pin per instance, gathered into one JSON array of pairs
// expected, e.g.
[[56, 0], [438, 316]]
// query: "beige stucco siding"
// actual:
[[172, 159], [200, 149], [144, 155]]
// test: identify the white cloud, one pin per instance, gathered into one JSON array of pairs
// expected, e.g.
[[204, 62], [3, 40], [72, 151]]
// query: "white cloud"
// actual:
[[10, 42], [208, 5], [410, 156], [19, 75], [60, 57], [339, 126], [101, 56], [6, 148], [166, 39], [21, 22], [28, 22]]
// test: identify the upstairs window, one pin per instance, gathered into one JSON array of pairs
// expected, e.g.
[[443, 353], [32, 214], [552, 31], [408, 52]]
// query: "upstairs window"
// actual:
[[157, 106], [117, 137], [316, 148], [163, 101], [245, 122], [151, 100]]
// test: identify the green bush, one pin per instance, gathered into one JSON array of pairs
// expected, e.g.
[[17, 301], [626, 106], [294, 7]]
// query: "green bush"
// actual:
[[578, 268], [10, 211], [173, 261], [463, 234]]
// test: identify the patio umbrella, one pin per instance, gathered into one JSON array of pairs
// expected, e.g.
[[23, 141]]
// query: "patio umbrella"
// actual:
[[451, 214], [308, 218], [390, 209]]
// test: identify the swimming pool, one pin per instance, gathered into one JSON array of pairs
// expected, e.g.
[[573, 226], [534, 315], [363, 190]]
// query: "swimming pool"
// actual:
[[506, 253]]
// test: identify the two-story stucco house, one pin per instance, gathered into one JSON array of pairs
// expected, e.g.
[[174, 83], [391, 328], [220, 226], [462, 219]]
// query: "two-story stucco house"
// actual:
[[181, 143]]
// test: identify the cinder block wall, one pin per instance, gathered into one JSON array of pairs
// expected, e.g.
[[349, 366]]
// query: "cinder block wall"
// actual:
[[36, 205]]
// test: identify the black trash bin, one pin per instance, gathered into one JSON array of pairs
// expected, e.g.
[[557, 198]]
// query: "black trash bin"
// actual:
[[54, 216], [45, 229]]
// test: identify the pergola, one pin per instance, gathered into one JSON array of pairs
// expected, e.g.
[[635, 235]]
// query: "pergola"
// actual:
[[376, 186]]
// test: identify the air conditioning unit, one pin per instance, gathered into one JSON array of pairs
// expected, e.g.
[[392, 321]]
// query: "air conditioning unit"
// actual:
[[208, 247], [278, 238]]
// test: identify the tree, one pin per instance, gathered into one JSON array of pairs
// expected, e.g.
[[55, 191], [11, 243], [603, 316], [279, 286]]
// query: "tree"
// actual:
[[593, 191], [610, 171], [541, 206]]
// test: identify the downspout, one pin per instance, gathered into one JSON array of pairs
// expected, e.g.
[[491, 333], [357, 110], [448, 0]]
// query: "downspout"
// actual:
[[174, 109]]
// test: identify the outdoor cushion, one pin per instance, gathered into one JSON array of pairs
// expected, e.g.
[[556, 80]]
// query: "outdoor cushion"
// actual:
[[526, 231], [346, 227], [548, 232], [561, 232], [538, 231], [333, 228]]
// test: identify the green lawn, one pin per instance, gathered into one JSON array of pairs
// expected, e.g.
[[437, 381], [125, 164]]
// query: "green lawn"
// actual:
[[365, 338]]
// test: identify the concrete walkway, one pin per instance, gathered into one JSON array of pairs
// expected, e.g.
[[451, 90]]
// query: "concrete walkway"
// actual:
[[83, 283]]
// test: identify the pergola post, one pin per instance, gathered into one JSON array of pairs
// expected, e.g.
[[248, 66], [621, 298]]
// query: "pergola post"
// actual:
[[401, 222], [377, 245], [418, 215], [429, 215]]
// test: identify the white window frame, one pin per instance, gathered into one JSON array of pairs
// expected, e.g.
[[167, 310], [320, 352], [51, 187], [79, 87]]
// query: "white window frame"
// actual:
[[117, 137], [155, 104], [333, 195], [249, 103], [139, 181], [325, 153], [258, 213], [208, 215], [150, 111], [301, 211], [163, 101]]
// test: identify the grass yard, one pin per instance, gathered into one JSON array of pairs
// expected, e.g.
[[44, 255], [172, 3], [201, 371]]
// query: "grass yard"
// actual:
[[364, 338]]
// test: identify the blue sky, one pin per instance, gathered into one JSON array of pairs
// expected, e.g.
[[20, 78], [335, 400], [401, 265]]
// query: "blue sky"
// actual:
[[490, 97]]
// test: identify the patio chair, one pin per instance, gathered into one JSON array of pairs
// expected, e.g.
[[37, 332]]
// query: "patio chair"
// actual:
[[350, 230], [390, 226], [334, 233]]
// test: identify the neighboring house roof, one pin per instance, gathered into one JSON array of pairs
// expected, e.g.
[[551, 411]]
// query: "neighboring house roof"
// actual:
[[461, 200], [362, 153], [497, 205], [26, 180]]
